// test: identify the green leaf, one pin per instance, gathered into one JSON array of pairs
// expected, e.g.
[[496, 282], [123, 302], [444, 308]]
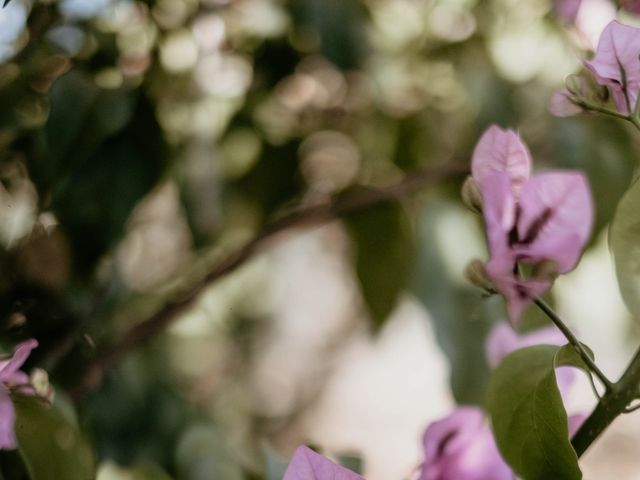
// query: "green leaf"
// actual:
[[204, 454], [51, 446], [527, 415], [383, 254], [351, 461], [624, 240], [274, 464]]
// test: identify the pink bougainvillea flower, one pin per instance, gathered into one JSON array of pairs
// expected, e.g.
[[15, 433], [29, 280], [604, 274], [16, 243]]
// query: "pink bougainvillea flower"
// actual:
[[461, 447], [561, 105], [309, 465], [529, 220], [12, 379], [616, 64]]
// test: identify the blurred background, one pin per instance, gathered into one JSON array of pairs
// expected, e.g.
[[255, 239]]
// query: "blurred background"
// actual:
[[143, 142]]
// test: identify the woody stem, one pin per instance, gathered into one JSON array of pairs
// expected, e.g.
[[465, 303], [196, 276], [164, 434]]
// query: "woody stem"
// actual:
[[573, 340]]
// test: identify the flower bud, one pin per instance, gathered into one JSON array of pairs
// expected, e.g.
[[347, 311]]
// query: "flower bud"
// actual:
[[471, 195], [40, 381], [476, 274], [574, 85]]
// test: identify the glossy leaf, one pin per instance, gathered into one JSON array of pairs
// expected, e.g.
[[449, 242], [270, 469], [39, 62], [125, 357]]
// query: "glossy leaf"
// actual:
[[624, 239], [383, 252], [51, 445], [527, 415]]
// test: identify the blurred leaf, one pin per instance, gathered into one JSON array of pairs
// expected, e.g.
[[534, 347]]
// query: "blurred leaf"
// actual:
[[144, 471], [338, 24], [274, 180], [99, 153], [82, 116], [460, 316], [97, 197], [203, 454], [527, 415], [136, 414], [52, 447], [603, 150], [383, 243], [148, 472], [624, 239], [352, 462], [274, 464]]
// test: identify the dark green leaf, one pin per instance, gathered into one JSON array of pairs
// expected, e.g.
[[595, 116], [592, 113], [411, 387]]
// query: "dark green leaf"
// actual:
[[51, 446], [383, 244], [203, 454], [528, 418], [339, 26], [624, 239], [352, 462]]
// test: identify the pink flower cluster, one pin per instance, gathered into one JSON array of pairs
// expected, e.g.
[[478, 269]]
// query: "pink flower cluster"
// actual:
[[615, 65], [543, 219], [460, 446], [12, 379]]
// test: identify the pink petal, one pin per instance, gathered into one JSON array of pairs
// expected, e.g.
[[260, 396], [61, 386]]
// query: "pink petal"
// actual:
[[458, 428], [575, 422], [520, 293], [561, 106], [503, 340], [499, 210], [461, 447], [309, 465], [22, 352], [501, 151], [556, 218], [618, 48], [7, 421]]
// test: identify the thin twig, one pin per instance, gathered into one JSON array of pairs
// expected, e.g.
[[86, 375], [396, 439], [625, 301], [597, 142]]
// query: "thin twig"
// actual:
[[574, 341], [317, 214]]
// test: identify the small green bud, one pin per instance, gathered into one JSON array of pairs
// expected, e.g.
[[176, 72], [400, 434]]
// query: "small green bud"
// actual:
[[574, 85], [471, 195], [476, 274]]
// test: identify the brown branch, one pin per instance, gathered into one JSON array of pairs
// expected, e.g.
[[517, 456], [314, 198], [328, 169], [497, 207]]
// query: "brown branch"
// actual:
[[321, 213]]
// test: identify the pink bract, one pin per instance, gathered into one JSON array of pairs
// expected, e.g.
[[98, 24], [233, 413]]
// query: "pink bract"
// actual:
[[10, 378], [309, 465], [547, 217], [616, 64], [461, 447]]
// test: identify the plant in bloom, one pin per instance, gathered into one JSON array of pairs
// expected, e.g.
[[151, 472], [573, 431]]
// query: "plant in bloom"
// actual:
[[309, 465], [543, 220], [461, 446], [12, 379], [616, 64]]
